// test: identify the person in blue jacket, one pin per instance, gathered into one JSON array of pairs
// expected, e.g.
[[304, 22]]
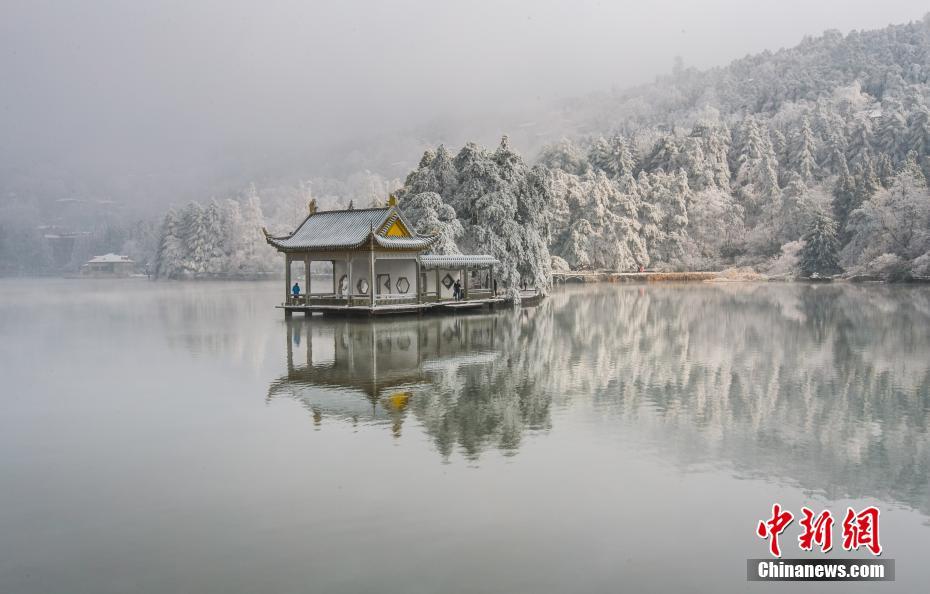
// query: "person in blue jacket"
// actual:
[[296, 290]]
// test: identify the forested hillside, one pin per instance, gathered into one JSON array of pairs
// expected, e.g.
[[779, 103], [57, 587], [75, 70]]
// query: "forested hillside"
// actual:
[[808, 160]]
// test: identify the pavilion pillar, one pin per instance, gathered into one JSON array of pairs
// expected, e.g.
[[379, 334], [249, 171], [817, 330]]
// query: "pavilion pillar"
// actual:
[[307, 275], [287, 274], [417, 283], [438, 287], [287, 282], [349, 276], [465, 283], [371, 277]]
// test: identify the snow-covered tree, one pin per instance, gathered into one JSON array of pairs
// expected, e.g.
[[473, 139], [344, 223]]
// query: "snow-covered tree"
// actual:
[[602, 229], [215, 258], [894, 221], [802, 152], [431, 215], [859, 145], [252, 254], [169, 261], [612, 156], [892, 129], [800, 205], [194, 235], [564, 155], [669, 195], [918, 134], [756, 172], [715, 228], [501, 203], [820, 253]]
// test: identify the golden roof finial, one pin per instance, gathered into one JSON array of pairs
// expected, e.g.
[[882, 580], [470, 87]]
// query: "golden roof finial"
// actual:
[[392, 200]]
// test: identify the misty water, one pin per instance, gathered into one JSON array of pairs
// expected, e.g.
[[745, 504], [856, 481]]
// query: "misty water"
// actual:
[[161, 437]]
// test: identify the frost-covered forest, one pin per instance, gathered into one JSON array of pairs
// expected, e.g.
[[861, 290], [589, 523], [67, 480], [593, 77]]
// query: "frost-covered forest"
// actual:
[[812, 159], [223, 239], [808, 160]]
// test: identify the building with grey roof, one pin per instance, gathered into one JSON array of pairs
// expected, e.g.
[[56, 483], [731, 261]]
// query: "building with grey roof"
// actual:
[[374, 262]]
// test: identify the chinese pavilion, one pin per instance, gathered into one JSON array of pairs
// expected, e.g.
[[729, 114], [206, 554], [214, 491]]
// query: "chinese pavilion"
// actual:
[[377, 264]]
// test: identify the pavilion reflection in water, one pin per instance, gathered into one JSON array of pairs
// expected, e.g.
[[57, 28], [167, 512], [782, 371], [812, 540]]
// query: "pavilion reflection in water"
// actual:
[[369, 371]]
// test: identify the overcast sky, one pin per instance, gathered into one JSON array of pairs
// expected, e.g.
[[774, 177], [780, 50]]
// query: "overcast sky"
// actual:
[[141, 84]]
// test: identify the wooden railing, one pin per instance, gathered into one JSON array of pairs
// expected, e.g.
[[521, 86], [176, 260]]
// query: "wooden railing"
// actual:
[[359, 299], [320, 299], [480, 293]]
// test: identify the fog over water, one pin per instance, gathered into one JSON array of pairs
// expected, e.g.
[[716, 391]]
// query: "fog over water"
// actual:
[[156, 100]]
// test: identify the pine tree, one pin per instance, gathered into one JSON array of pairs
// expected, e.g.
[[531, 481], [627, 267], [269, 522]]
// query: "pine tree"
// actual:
[[830, 127], [194, 234], [802, 152], [216, 261], [821, 248], [665, 156], [564, 155], [169, 261], [845, 198], [891, 130], [918, 137], [757, 168], [257, 256], [884, 170], [670, 194], [867, 182], [613, 156], [794, 217], [859, 146], [716, 146]]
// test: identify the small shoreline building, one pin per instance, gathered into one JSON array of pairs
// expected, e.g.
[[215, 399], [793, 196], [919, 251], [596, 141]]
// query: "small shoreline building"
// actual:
[[378, 265], [108, 266]]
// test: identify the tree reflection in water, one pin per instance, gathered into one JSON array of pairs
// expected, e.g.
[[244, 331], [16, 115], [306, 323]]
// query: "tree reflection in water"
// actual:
[[464, 378], [827, 386]]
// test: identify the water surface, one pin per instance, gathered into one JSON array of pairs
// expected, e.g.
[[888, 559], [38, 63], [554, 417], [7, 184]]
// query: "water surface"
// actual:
[[162, 437]]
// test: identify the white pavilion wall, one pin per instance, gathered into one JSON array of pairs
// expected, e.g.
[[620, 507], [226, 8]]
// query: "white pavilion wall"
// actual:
[[360, 270], [398, 269]]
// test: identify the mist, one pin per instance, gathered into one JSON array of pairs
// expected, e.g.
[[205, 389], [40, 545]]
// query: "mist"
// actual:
[[152, 101]]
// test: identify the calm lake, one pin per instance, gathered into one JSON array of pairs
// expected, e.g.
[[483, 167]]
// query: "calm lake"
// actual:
[[184, 437]]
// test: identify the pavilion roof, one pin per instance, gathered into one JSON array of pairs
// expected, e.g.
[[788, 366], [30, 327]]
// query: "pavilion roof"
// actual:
[[350, 229]]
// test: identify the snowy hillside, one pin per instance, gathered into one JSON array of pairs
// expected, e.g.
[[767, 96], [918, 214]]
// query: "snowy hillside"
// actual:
[[809, 159]]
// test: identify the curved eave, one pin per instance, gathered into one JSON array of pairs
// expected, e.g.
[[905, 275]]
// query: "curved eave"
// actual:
[[404, 243], [283, 244]]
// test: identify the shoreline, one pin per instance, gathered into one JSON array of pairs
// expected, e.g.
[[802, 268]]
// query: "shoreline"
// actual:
[[732, 275]]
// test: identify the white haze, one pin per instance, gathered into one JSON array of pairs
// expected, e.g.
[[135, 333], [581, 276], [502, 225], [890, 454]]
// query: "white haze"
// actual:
[[159, 100]]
